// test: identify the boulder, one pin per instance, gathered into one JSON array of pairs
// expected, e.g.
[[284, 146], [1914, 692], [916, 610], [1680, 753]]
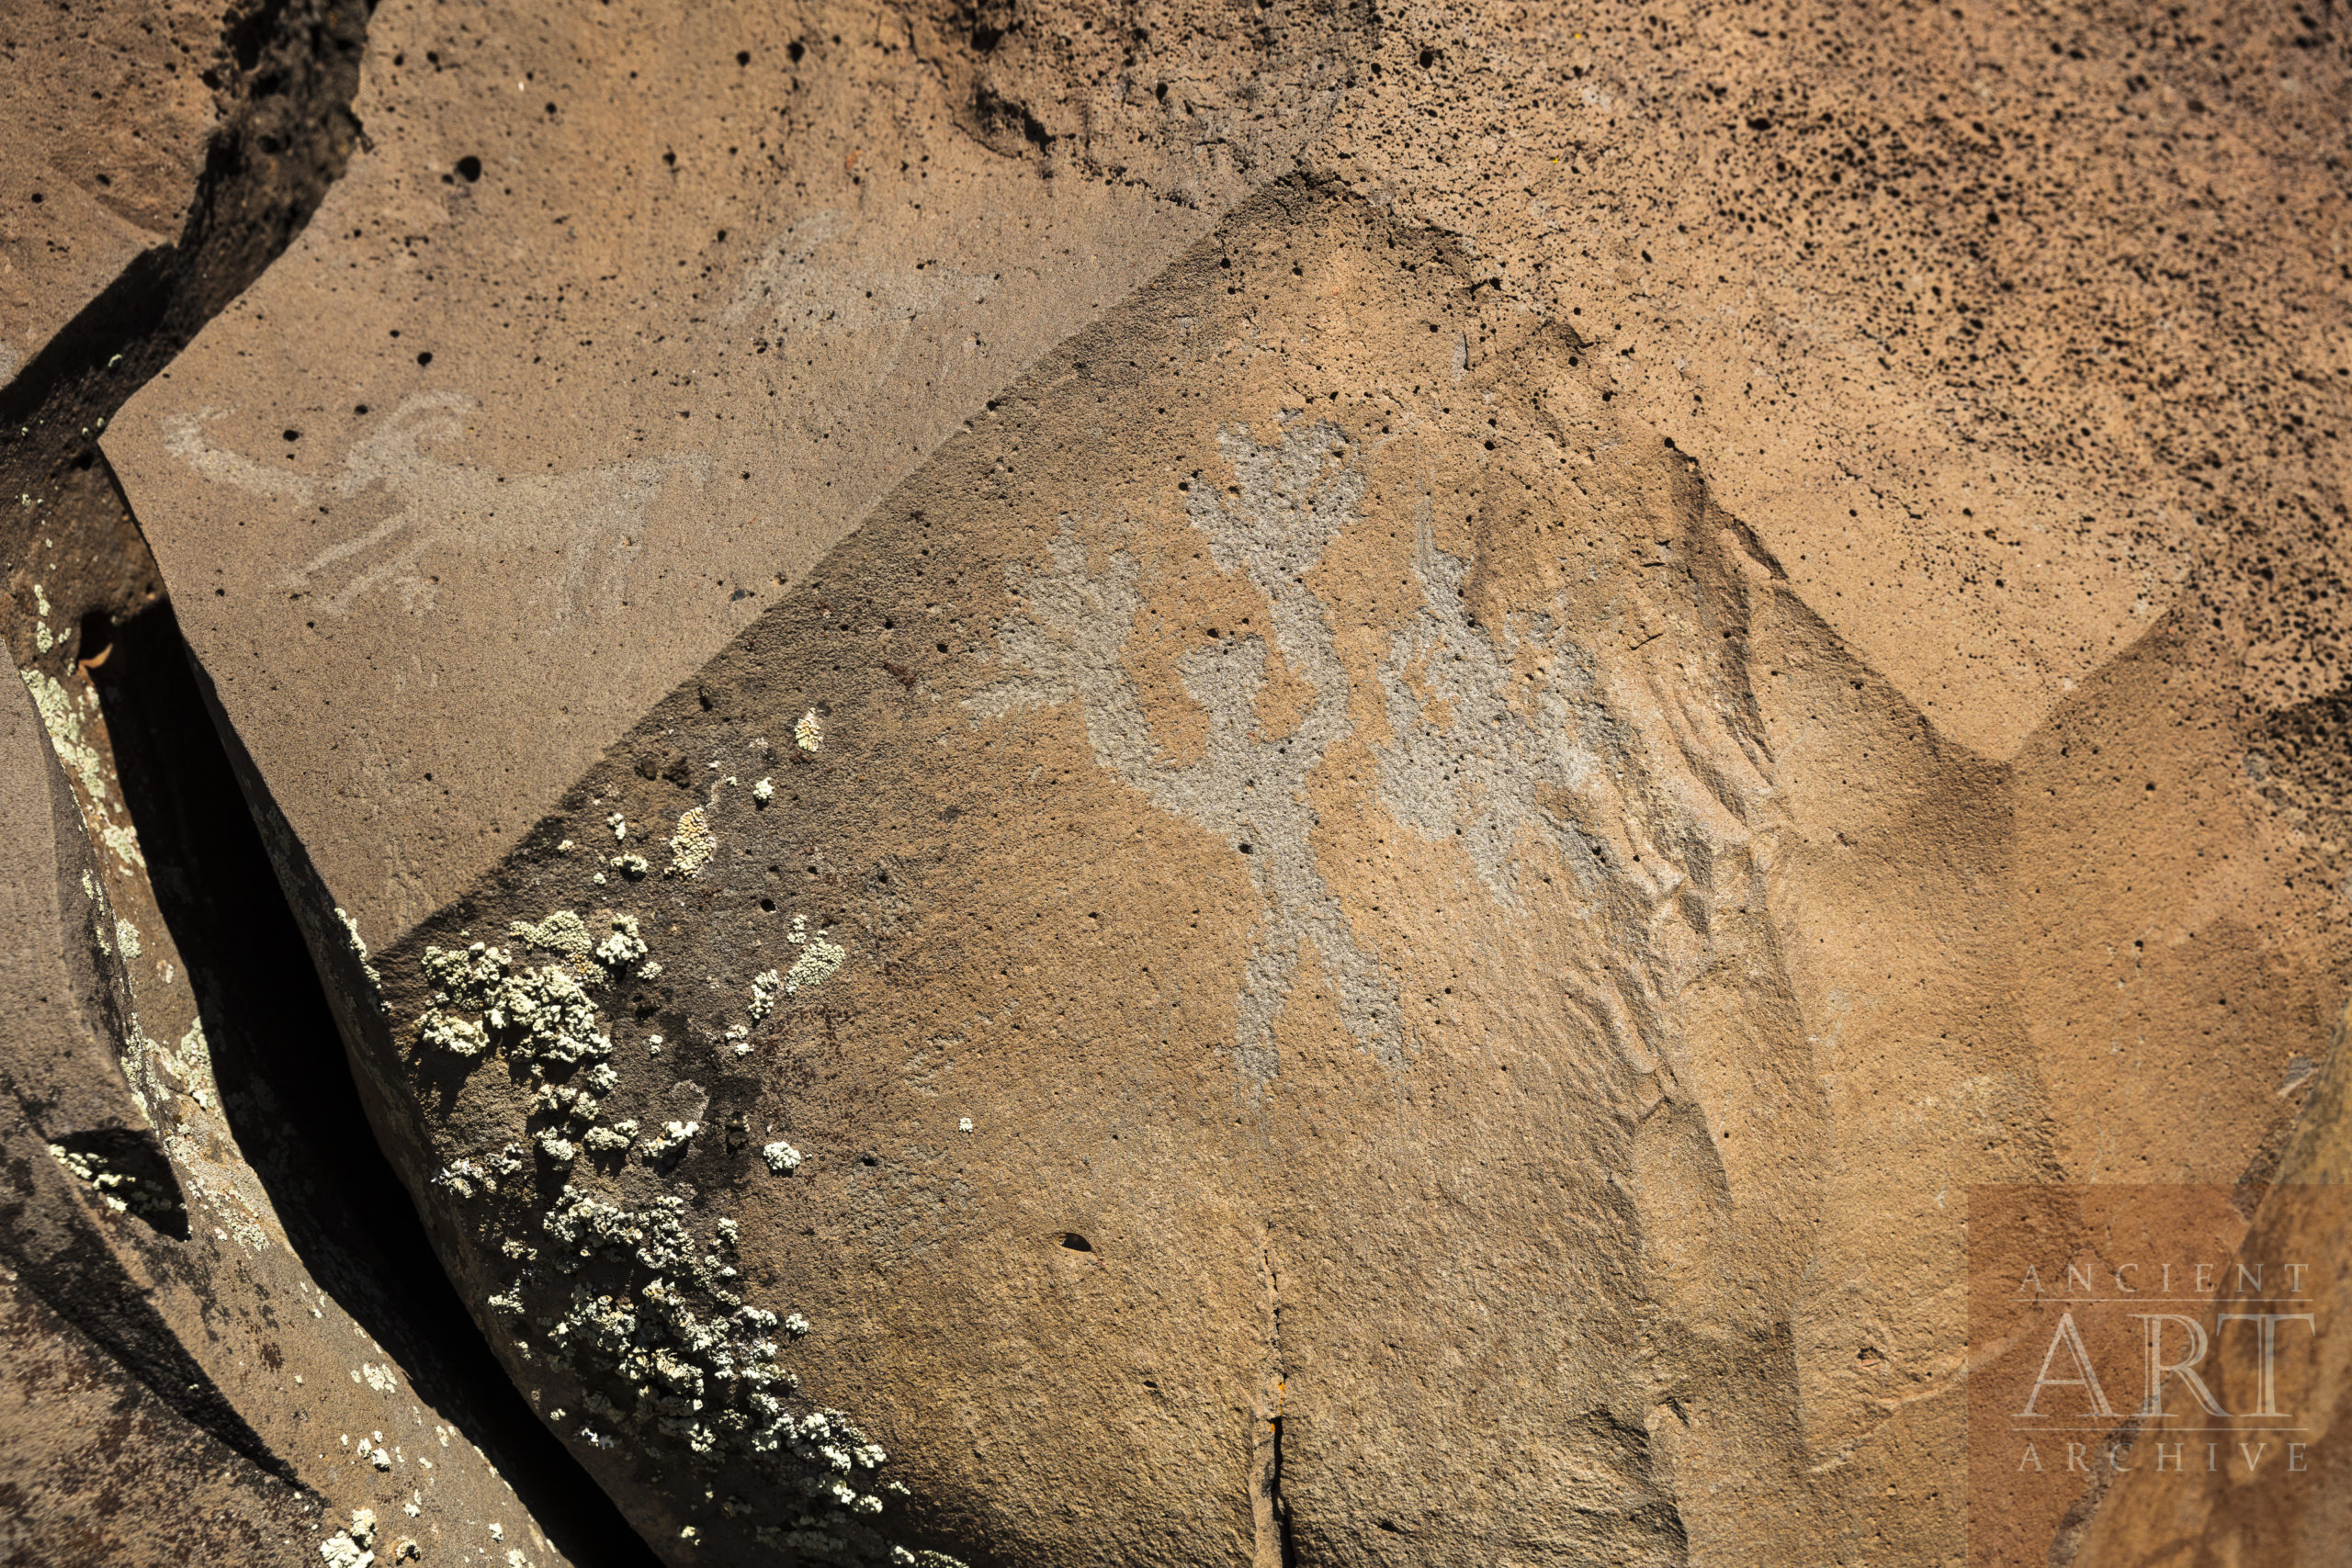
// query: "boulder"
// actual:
[[770, 251], [198, 1269], [221, 1333], [1042, 850]]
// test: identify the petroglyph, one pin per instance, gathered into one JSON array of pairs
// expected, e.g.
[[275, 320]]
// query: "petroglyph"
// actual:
[[1477, 757], [588, 516], [1249, 785], [790, 288]]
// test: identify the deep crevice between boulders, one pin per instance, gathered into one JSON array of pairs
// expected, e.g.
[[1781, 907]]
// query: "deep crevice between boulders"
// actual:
[[285, 1082]]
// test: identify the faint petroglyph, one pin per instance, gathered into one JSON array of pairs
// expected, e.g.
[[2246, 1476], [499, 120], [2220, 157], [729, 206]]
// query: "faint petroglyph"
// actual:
[[1478, 756], [590, 518], [1249, 785], [826, 278], [1520, 732]]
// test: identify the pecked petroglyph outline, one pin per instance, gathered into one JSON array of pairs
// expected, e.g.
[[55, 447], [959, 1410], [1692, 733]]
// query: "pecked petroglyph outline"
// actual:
[[592, 511], [1497, 734]]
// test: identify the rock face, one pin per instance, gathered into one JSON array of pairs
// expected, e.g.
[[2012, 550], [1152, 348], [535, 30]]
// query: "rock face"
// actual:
[[224, 1334], [813, 279], [111, 114], [1148, 788], [173, 1357]]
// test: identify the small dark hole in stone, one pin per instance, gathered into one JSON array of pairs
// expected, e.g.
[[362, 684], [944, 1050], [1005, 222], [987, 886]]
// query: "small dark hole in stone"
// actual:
[[293, 435], [742, 57], [469, 168], [1076, 1242], [425, 358]]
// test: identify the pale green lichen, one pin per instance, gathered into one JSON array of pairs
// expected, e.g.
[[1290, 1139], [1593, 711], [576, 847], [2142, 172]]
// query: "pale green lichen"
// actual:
[[693, 844], [458, 1036], [562, 931], [115, 1188], [126, 936], [673, 1138], [819, 956], [781, 1158], [359, 951], [664, 1326], [809, 733], [62, 718], [540, 1015], [764, 791], [624, 946], [764, 989], [462, 1175], [615, 1139]]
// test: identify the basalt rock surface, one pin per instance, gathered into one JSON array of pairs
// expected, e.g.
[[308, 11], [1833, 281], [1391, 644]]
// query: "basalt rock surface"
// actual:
[[225, 1336], [1296, 787]]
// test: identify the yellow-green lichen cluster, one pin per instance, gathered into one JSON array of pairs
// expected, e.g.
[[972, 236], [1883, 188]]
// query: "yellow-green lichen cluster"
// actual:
[[63, 716], [650, 1312], [693, 844], [819, 956], [543, 1014]]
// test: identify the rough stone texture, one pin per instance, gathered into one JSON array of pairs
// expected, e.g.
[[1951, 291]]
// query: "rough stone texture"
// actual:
[[205, 1257], [110, 110], [1351, 874], [100, 1471], [786, 280], [1437, 941], [2197, 1518], [134, 1214]]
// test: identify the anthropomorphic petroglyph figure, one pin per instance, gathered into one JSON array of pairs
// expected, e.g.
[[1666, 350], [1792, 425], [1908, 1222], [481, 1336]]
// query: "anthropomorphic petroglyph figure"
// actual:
[[1295, 497]]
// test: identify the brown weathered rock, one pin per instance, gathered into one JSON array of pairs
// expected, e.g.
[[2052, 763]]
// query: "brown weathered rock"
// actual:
[[207, 1260], [786, 277], [141, 1224], [1368, 896], [109, 111], [99, 1469], [2203, 1517]]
